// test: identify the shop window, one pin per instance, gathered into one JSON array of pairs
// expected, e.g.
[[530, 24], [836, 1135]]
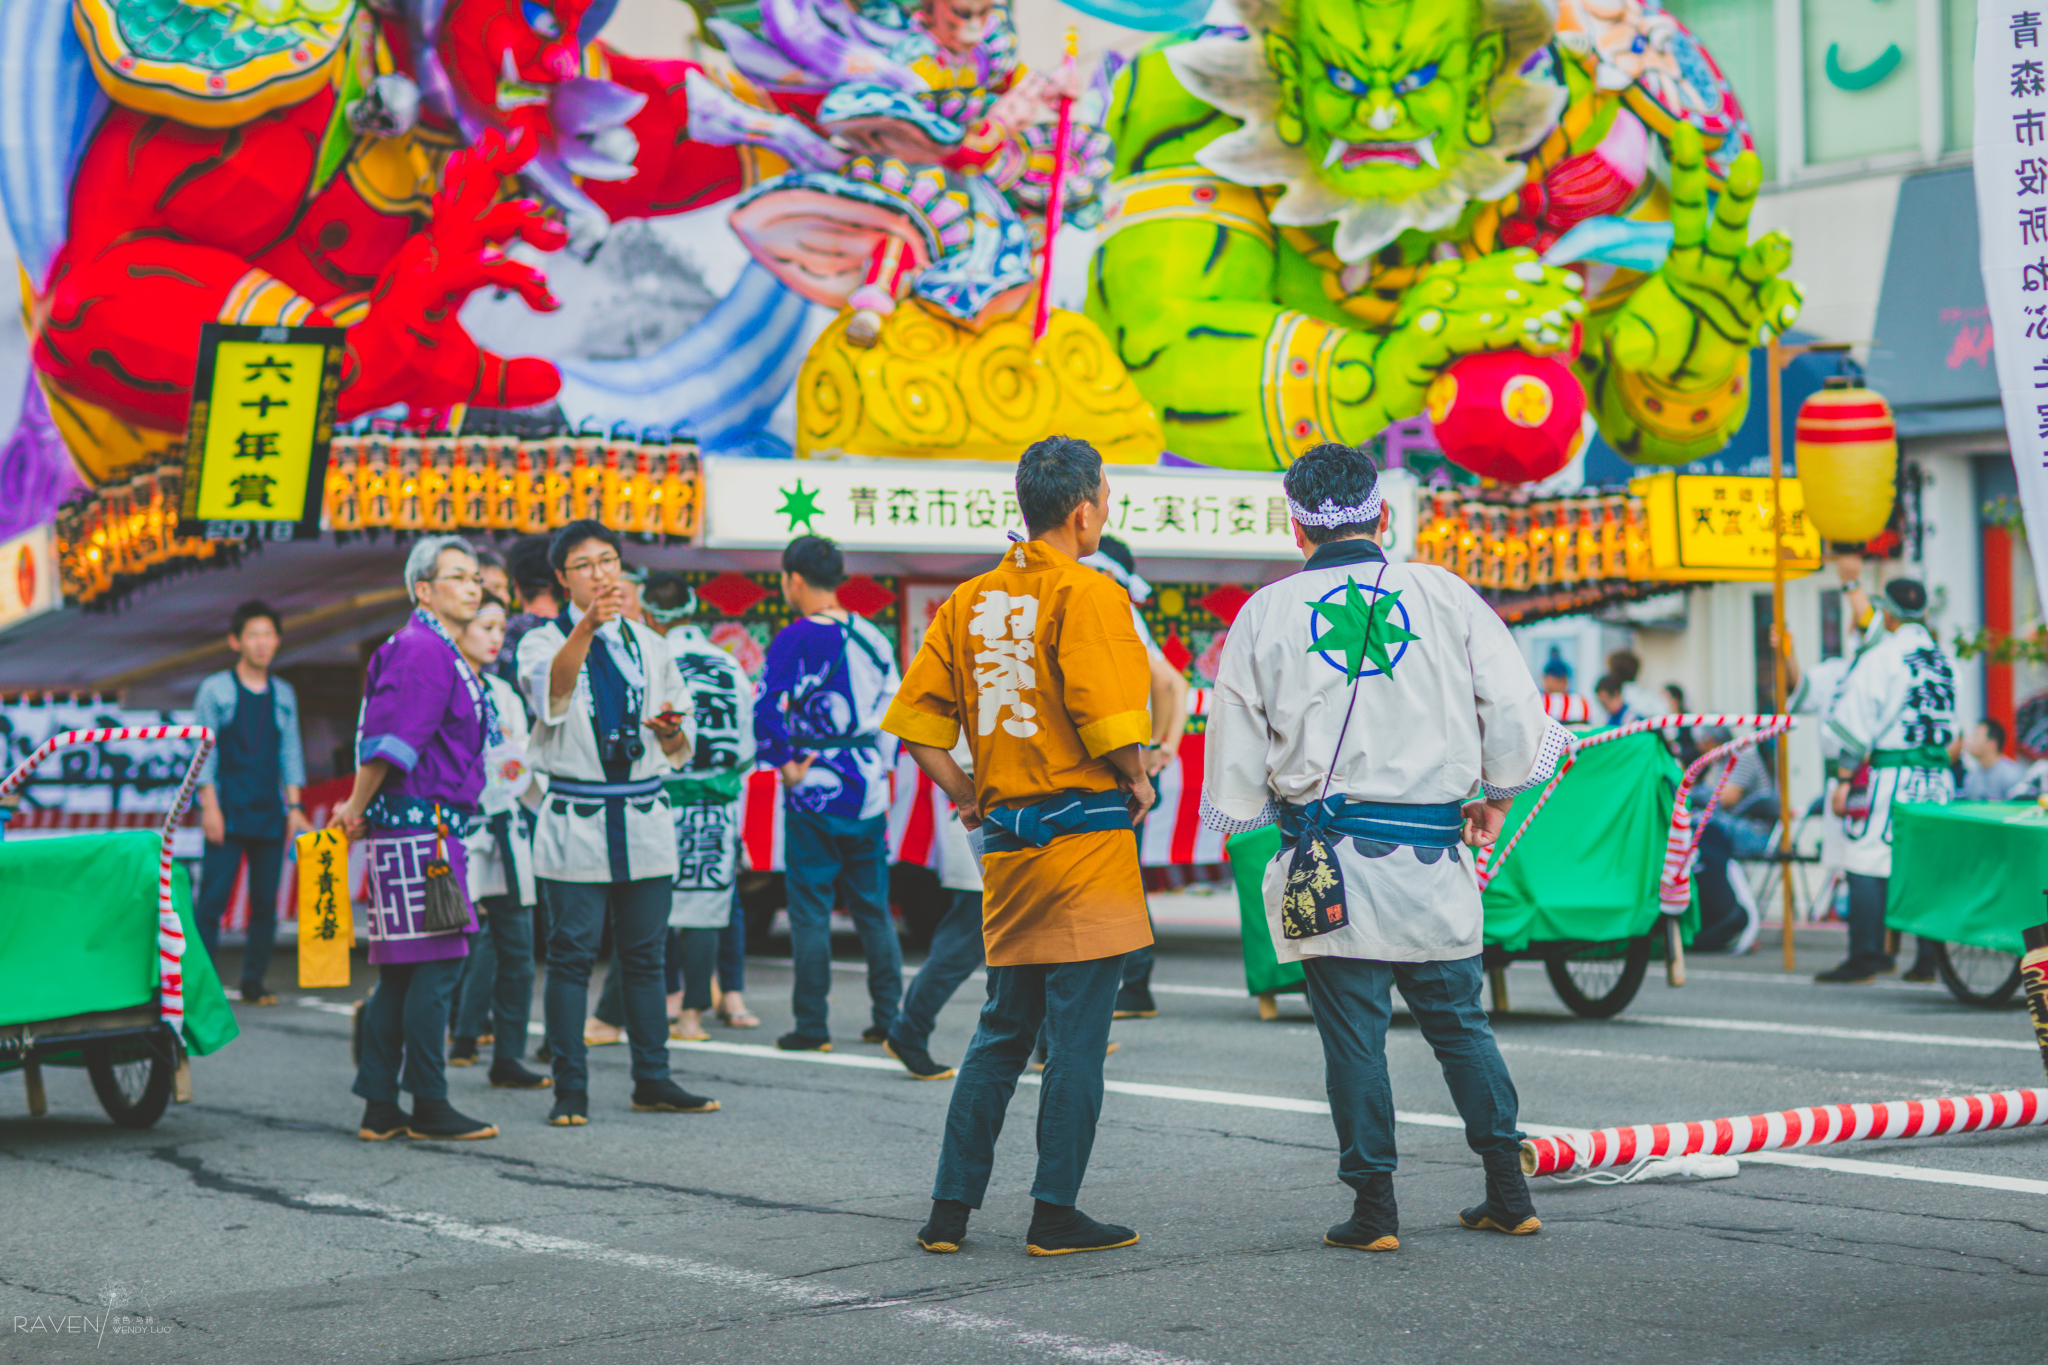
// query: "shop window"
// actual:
[[1738, 34], [1862, 79]]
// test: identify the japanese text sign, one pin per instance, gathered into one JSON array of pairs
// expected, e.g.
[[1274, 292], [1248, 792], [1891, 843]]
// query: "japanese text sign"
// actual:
[[970, 505], [2010, 164], [1716, 528], [262, 417], [326, 923]]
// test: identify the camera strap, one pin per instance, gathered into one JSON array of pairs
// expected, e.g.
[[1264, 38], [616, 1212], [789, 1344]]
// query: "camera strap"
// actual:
[[611, 700]]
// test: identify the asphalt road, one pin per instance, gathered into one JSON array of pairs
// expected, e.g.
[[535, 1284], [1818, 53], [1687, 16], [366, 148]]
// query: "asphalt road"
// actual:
[[252, 1226]]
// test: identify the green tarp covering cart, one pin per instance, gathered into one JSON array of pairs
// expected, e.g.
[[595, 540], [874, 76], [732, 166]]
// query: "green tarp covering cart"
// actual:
[[1581, 891], [1970, 876], [100, 964]]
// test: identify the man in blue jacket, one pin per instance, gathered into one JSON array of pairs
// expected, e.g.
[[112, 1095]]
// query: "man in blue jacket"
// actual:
[[248, 789]]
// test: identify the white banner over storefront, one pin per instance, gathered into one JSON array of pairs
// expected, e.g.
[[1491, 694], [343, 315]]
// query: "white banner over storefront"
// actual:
[[2011, 169], [969, 505]]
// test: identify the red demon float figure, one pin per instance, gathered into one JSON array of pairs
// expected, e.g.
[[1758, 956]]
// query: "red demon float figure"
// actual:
[[349, 163]]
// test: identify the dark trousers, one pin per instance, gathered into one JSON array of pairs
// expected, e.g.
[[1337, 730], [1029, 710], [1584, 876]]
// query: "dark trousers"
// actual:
[[406, 1019], [1073, 1000], [217, 883], [1352, 1006], [823, 854], [639, 916], [689, 956], [1867, 897], [1138, 963], [957, 953], [497, 983], [732, 948]]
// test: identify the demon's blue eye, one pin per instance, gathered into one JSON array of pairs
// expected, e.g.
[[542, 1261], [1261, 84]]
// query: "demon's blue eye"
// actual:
[[1416, 79], [1343, 80], [541, 19]]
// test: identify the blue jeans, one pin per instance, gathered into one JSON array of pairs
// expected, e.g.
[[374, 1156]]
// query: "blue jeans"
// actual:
[[957, 953], [217, 883], [1073, 1000], [497, 983], [822, 853], [406, 1018], [639, 915], [1350, 999]]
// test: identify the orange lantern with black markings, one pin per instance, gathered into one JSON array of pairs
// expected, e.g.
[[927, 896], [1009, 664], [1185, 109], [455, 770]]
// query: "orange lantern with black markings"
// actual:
[[1847, 446]]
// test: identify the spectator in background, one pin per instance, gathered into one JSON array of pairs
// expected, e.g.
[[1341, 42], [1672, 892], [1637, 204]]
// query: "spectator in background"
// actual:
[[1988, 775], [497, 582], [249, 789], [539, 600], [1626, 669], [496, 991], [1680, 738], [1608, 693], [828, 680], [1558, 702]]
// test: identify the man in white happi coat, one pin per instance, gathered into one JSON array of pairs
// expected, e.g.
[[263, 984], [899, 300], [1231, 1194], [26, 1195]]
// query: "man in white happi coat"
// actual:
[[1892, 723], [1382, 714], [612, 723]]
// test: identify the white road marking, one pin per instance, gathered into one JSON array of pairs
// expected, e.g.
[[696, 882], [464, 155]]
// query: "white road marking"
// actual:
[[805, 1292], [1861, 1035]]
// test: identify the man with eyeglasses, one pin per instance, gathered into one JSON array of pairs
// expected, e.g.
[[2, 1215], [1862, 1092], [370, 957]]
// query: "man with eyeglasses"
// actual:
[[425, 724], [612, 721]]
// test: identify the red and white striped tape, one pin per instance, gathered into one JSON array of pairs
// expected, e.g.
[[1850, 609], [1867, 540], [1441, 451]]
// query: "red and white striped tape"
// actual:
[[1680, 845], [170, 932], [1818, 1126]]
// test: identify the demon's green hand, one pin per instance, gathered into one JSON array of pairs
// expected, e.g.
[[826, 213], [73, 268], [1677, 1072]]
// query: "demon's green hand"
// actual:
[[1459, 307]]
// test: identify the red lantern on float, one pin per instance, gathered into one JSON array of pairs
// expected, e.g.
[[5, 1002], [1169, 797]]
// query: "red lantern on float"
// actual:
[[1847, 446], [1508, 415]]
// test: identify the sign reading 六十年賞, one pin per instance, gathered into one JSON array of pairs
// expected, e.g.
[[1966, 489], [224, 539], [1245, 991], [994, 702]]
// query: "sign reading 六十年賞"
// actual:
[[262, 417]]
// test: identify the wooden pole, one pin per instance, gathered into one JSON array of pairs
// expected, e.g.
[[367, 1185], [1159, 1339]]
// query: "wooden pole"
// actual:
[[1775, 360]]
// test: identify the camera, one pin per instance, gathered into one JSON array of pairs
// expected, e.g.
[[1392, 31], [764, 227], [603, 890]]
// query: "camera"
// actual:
[[621, 746]]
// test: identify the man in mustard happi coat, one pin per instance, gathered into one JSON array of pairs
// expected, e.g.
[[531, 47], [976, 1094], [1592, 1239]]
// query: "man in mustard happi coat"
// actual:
[[1037, 660]]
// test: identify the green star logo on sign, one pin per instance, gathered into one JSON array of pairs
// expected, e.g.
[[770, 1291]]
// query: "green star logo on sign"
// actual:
[[799, 505], [1359, 630]]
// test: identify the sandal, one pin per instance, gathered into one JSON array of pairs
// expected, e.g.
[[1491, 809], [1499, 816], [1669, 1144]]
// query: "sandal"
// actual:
[[741, 1020]]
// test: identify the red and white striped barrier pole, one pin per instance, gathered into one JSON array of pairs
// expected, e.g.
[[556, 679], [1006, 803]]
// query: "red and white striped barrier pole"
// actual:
[[170, 932], [1815, 1127]]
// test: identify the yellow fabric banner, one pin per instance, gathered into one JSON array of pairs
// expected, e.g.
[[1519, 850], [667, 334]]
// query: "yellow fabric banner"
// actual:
[[327, 928]]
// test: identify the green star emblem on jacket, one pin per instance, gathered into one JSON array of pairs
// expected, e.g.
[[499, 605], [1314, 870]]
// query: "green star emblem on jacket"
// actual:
[[1362, 631]]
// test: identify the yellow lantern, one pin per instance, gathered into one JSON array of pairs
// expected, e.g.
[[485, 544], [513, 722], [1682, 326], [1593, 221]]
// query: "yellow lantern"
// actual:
[[1847, 447]]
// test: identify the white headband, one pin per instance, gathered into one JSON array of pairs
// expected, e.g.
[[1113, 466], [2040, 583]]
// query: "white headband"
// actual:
[[1137, 587], [1330, 514]]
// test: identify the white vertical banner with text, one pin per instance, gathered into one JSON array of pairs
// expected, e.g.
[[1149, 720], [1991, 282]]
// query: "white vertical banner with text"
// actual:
[[2011, 170]]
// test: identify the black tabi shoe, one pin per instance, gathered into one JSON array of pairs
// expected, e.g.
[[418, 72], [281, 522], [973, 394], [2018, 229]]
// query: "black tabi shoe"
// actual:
[[509, 1075], [1057, 1230], [946, 1229], [1507, 1207], [1921, 973], [1135, 1002], [543, 1054], [874, 1033], [572, 1109], [1857, 971], [666, 1097], [916, 1061], [1374, 1219], [462, 1052], [382, 1120], [797, 1042], [440, 1119], [255, 993]]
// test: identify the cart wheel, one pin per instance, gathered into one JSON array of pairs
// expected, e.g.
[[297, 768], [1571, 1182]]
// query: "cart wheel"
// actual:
[[1599, 987], [1977, 976], [133, 1079]]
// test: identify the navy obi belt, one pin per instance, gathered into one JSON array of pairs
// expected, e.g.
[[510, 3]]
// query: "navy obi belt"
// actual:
[[1312, 901], [1007, 829]]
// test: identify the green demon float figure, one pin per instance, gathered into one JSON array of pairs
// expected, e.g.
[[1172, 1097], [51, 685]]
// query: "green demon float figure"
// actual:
[[1316, 214]]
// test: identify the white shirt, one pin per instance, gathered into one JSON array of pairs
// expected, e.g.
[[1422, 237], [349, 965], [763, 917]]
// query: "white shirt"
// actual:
[[570, 844], [509, 779], [1457, 715]]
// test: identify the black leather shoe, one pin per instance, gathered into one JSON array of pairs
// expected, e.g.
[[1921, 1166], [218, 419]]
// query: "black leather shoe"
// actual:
[[946, 1229], [1507, 1207], [442, 1120], [1057, 1230], [382, 1119], [1374, 1219], [572, 1109], [1857, 971], [666, 1097], [916, 1061], [797, 1042], [509, 1075]]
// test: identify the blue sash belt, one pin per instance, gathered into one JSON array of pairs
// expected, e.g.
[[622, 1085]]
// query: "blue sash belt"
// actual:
[[1430, 826], [603, 791], [1008, 829]]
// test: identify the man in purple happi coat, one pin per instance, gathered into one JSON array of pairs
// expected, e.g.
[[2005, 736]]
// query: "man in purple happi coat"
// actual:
[[425, 723]]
